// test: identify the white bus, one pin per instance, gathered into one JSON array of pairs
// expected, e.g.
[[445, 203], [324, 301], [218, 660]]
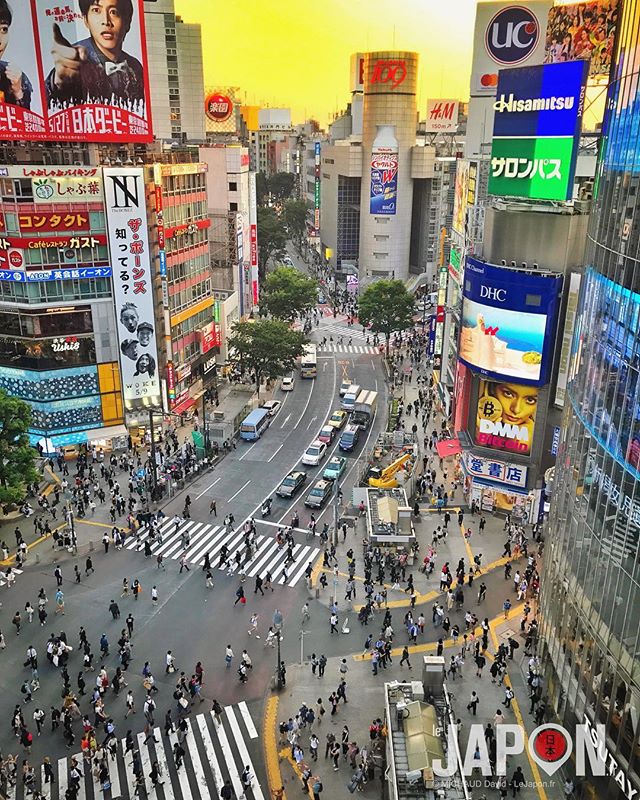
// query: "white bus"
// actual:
[[309, 362]]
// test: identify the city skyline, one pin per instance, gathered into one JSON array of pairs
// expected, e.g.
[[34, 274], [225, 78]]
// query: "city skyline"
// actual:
[[257, 47]]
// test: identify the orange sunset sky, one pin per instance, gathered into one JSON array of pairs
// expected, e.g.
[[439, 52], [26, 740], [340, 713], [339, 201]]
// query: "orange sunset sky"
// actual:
[[293, 54]]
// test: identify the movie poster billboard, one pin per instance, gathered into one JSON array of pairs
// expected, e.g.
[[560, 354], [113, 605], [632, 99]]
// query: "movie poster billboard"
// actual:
[[384, 183], [74, 71], [133, 285], [584, 31], [508, 322], [506, 416]]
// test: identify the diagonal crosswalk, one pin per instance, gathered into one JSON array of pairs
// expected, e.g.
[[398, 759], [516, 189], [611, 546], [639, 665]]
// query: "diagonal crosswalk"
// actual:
[[209, 538], [216, 751]]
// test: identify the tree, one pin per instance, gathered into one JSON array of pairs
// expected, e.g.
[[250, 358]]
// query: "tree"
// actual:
[[262, 188], [17, 468], [387, 306], [267, 348], [294, 215], [287, 293], [272, 237], [281, 185]]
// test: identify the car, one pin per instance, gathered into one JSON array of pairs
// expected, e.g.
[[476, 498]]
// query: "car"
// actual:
[[334, 468], [344, 387], [321, 299], [349, 438], [319, 494], [287, 383], [314, 454], [292, 483], [326, 434], [288, 261], [273, 406], [338, 419]]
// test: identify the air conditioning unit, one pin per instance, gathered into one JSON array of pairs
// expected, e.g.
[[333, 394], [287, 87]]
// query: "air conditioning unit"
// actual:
[[68, 255]]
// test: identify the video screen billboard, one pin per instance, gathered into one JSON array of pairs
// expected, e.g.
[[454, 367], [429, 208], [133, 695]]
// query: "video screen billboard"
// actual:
[[582, 31], [75, 71], [508, 322], [536, 129], [133, 285], [506, 416], [384, 183]]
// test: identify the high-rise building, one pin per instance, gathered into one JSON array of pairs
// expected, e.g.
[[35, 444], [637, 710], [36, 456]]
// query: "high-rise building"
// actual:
[[590, 603], [176, 80]]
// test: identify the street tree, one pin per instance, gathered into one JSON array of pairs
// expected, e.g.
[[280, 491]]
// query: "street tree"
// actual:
[[294, 215], [281, 185], [267, 348], [287, 293], [262, 188], [272, 237], [387, 306], [17, 466]]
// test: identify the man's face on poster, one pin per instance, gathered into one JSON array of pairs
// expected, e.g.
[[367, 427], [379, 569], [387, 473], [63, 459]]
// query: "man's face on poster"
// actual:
[[107, 26]]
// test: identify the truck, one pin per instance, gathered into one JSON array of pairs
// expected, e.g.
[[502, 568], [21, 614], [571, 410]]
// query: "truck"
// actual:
[[364, 409], [350, 397], [385, 478]]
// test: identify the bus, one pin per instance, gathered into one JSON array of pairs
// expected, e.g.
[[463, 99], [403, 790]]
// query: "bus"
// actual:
[[309, 362], [255, 424]]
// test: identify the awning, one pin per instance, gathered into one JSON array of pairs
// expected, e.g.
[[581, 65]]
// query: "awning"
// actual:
[[448, 447], [106, 433], [183, 406]]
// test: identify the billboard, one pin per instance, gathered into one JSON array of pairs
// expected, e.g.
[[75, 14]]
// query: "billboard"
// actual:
[[585, 31], [508, 322], [496, 471], [536, 129], [465, 193], [75, 72], [52, 185], [506, 416], [506, 35], [384, 183], [218, 107], [133, 284], [442, 116]]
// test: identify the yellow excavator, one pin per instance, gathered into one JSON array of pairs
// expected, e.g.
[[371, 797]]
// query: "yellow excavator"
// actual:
[[385, 478]]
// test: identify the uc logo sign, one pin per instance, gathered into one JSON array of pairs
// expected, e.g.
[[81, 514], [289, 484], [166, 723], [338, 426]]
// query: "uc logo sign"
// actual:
[[512, 35]]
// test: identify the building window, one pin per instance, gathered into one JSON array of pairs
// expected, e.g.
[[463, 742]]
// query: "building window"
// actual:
[[233, 206], [233, 186]]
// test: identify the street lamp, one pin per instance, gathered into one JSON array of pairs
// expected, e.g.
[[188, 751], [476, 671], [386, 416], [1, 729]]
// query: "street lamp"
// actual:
[[277, 624]]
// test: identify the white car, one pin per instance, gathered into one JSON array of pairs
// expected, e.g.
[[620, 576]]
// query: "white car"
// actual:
[[273, 406], [287, 383], [314, 454], [287, 260]]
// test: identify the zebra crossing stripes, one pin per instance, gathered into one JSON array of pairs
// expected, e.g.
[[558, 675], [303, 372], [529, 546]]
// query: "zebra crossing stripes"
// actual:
[[3, 580], [330, 347], [208, 538]]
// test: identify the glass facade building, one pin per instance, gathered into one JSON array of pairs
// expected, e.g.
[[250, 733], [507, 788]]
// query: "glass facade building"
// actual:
[[590, 602]]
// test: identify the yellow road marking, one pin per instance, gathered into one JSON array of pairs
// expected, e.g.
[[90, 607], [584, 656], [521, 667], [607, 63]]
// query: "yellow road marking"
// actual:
[[270, 744]]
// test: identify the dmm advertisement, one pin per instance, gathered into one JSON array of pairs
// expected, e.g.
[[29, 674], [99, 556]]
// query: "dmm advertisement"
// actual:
[[536, 129], [74, 71], [508, 321], [132, 285], [506, 416], [384, 183], [582, 31]]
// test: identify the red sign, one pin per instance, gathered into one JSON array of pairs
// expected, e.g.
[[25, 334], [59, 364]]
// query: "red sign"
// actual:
[[253, 244], [387, 70], [191, 227], [50, 223], [218, 107], [11, 259], [440, 315], [209, 337], [61, 242], [49, 101], [160, 217]]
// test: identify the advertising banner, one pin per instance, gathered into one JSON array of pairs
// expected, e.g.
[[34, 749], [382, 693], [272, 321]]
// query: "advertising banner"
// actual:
[[442, 116], [253, 239], [209, 337], [536, 130], [461, 393], [460, 196], [75, 72], [53, 222], [58, 184], [583, 31], [497, 471], [506, 35], [567, 337], [506, 416], [218, 107], [132, 285], [508, 322], [384, 183]]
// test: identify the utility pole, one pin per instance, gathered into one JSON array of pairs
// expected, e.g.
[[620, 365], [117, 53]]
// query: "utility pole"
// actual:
[[154, 465], [277, 624], [336, 503]]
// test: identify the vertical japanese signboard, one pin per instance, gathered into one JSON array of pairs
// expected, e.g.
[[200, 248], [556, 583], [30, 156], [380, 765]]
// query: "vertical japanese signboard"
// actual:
[[316, 188], [253, 237], [128, 238]]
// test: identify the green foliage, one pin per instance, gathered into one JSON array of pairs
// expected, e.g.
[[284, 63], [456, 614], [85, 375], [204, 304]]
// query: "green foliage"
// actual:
[[281, 185], [267, 348], [17, 468], [272, 237], [262, 188], [287, 293], [387, 306], [294, 215]]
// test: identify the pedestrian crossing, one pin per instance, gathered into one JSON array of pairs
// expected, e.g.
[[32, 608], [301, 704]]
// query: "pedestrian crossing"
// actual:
[[3, 575], [207, 538], [363, 349], [215, 751]]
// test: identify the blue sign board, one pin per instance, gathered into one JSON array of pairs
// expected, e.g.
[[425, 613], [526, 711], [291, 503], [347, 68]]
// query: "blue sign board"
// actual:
[[20, 276], [163, 263], [555, 441]]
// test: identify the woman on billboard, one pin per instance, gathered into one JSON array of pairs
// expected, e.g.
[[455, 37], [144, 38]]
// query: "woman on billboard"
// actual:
[[506, 416]]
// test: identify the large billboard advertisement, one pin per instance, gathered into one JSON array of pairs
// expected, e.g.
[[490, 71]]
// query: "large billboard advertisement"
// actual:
[[582, 31], [508, 322], [536, 129], [384, 183], [506, 35], [75, 71], [506, 416], [465, 193], [133, 285]]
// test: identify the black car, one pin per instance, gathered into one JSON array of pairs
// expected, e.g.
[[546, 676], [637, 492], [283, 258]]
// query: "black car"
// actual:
[[319, 494], [291, 484]]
